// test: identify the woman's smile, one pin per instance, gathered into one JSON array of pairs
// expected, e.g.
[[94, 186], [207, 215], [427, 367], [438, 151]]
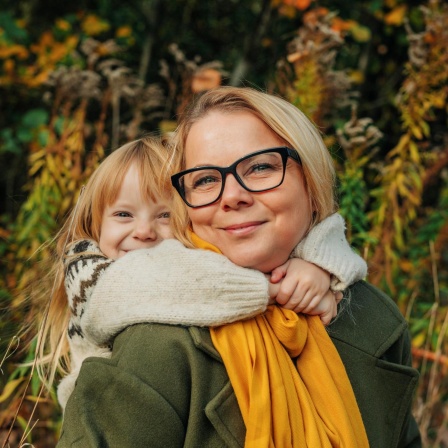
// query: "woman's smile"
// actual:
[[243, 229]]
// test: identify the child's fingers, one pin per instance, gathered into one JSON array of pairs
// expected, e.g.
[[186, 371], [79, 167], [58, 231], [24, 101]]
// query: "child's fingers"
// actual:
[[278, 273], [304, 299], [325, 307], [317, 302], [291, 293], [338, 295], [273, 289], [328, 315]]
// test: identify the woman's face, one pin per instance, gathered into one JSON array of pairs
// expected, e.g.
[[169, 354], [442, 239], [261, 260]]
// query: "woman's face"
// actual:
[[255, 230]]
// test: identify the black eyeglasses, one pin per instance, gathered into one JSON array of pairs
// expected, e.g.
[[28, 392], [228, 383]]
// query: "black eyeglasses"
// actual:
[[260, 171]]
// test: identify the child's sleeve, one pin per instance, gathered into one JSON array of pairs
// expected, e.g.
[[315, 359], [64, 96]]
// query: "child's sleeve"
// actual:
[[173, 285], [327, 247], [84, 264]]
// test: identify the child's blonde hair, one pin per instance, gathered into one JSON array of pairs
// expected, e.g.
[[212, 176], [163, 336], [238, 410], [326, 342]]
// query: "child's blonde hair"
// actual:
[[84, 222], [286, 121]]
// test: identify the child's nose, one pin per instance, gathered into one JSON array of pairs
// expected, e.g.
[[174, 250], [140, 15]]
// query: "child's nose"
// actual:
[[144, 231]]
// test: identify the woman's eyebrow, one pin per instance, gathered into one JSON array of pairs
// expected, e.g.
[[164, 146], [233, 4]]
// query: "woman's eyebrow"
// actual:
[[204, 165]]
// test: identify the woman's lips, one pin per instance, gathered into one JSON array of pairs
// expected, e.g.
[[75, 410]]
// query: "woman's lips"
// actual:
[[243, 228]]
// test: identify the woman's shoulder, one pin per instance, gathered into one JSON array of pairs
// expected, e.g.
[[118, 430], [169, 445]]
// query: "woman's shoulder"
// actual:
[[371, 322], [163, 340]]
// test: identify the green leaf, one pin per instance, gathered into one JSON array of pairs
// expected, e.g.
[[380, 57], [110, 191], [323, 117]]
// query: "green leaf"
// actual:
[[43, 137], [10, 144], [35, 118], [24, 135], [12, 31]]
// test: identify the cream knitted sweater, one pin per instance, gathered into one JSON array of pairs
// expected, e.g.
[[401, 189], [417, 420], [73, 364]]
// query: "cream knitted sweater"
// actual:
[[174, 285]]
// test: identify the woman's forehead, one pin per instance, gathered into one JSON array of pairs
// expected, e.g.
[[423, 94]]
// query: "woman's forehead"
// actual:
[[220, 138]]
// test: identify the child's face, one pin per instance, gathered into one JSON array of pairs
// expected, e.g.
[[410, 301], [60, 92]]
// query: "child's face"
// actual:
[[132, 222]]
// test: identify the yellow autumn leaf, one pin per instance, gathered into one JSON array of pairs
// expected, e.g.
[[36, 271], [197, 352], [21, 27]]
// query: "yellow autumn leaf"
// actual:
[[396, 16], [38, 79], [63, 25], [356, 76], [361, 33], [71, 41], [93, 25], [51, 164], [417, 132], [8, 66], [14, 50], [167, 126], [34, 399], [58, 52], [419, 340], [46, 40], [10, 388], [414, 152], [406, 265]]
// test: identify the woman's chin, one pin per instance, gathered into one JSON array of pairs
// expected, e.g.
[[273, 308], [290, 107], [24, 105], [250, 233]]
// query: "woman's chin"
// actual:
[[251, 260]]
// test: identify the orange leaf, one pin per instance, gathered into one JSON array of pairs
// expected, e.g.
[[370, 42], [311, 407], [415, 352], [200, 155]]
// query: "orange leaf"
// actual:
[[313, 16], [339, 24], [302, 4], [396, 16], [205, 80], [299, 4], [124, 31]]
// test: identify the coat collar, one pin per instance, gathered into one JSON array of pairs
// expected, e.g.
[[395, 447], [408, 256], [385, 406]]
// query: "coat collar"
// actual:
[[203, 341], [371, 322]]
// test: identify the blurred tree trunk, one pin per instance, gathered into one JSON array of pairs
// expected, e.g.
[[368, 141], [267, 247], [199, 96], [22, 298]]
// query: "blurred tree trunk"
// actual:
[[151, 14], [251, 45]]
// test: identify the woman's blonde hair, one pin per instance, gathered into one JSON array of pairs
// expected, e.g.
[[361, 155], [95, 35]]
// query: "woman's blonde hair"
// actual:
[[286, 121], [84, 222]]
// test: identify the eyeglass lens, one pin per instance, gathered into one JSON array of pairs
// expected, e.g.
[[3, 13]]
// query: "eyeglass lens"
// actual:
[[257, 173]]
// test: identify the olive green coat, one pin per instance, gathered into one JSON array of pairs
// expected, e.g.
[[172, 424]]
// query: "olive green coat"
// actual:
[[166, 386]]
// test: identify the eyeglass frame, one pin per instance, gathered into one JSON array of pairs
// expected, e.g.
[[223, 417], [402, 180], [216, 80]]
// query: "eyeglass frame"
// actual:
[[284, 151]]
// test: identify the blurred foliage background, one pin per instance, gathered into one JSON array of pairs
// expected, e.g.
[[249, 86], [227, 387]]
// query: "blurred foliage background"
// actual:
[[79, 79]]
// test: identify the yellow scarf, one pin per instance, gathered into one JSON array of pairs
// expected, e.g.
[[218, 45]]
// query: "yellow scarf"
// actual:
[[311, 404]]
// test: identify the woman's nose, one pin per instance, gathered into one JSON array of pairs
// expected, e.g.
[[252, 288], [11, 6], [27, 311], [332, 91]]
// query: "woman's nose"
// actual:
[[234, 195], [144, 230]]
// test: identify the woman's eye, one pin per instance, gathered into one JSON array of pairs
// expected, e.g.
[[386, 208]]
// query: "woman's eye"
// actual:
[[205, 181], [260, 167], [165, 215]]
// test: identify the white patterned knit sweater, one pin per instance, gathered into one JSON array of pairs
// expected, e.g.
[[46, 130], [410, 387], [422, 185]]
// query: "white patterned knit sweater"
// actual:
[[171, 284]]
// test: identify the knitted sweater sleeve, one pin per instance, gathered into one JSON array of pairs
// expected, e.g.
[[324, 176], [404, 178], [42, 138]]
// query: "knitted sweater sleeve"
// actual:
[[84, 264], [171, 284], [327, 247]]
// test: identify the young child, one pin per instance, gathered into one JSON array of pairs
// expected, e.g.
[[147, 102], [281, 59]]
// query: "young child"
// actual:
[[125, 207]]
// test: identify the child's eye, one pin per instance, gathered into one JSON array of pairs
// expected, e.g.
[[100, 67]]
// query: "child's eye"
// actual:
[[123, 214], [165, 215]]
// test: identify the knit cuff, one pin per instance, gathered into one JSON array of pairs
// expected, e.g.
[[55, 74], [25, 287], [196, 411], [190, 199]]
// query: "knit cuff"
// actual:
[[326, 246]]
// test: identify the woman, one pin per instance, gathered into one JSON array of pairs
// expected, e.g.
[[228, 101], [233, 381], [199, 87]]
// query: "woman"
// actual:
[[255, 177]]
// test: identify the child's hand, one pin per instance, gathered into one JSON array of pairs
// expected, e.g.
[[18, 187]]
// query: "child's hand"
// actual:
[[304, 287]]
